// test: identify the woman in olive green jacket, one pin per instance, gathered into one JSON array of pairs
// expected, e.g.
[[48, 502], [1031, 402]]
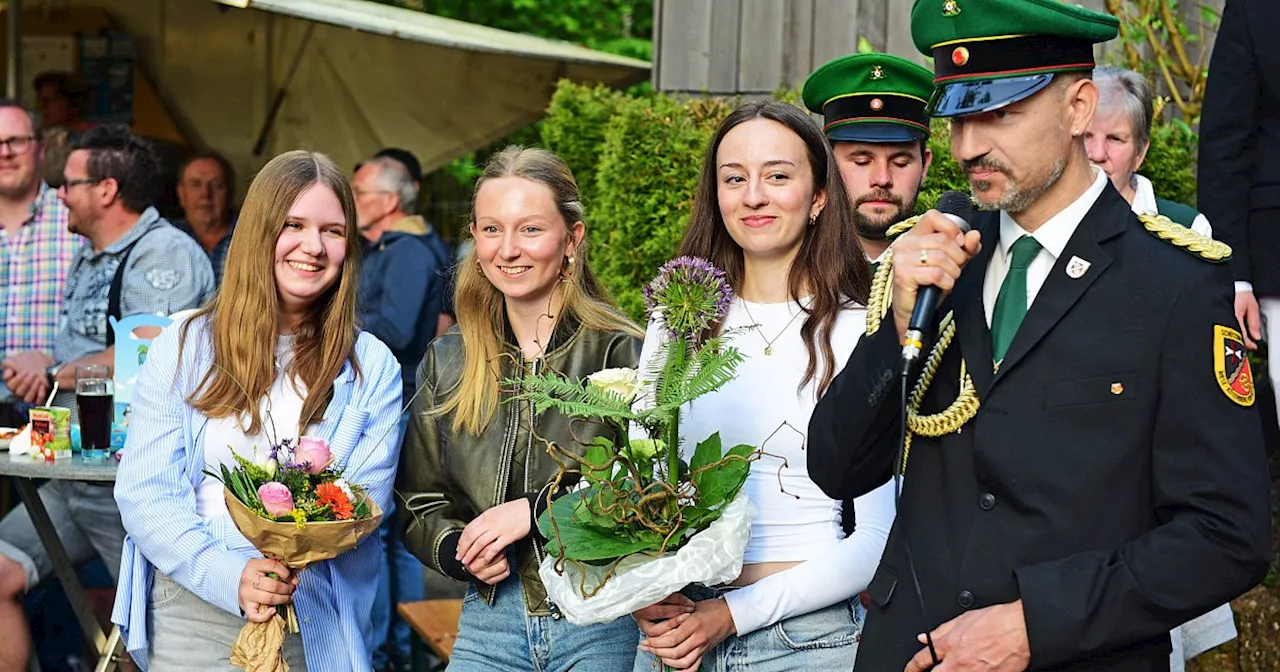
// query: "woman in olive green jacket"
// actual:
[[474, 468]]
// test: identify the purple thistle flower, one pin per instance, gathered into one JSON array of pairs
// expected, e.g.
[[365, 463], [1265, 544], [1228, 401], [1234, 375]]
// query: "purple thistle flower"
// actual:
[[691, 294]]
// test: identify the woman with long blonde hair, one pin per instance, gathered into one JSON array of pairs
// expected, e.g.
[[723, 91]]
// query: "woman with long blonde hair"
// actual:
[[475, 470], [277, 354]]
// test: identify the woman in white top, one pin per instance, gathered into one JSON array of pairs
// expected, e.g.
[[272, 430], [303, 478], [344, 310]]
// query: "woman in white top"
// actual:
[[276, 355], [772, 212]]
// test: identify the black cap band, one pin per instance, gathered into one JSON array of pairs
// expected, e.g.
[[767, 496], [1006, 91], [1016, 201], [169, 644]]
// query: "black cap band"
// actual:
[[1028, 54], [875, 107]]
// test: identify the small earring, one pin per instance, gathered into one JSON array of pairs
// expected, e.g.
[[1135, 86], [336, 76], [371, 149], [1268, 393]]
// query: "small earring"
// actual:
[[570, 260], [813, 220], [1075, 132], [478, 266]]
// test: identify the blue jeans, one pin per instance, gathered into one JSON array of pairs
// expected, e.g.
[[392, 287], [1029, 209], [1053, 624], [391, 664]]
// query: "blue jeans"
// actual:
[[826, 639], [503, 638], [401, 578]]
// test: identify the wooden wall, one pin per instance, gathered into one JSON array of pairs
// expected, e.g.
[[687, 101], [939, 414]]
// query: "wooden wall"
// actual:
[[755, 47]]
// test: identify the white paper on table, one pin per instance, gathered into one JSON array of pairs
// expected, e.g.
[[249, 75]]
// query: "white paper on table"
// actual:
[[20, 446], [711, 557]]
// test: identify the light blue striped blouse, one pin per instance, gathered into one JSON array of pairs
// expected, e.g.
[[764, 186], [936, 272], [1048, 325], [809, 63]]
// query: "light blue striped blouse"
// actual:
[[163, 463]]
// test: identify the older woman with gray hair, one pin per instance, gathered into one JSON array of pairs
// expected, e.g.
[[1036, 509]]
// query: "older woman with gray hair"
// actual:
[[1118, 138]]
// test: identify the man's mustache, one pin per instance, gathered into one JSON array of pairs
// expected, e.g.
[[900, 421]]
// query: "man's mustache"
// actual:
[[879, 195], [984, 163]]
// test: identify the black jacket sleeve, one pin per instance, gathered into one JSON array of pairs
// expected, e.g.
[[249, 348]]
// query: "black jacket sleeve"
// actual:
[[1210, 495], [853, 431], [1228, 135]]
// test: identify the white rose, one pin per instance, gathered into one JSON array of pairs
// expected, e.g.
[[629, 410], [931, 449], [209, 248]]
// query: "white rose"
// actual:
[[264, 461], [346, 489], [623, 382]]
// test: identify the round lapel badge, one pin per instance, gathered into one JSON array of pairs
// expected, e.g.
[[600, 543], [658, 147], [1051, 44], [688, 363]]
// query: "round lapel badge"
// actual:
[[960, 56]]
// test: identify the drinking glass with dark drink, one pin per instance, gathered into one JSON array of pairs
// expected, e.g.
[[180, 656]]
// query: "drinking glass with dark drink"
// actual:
[[95, 392]]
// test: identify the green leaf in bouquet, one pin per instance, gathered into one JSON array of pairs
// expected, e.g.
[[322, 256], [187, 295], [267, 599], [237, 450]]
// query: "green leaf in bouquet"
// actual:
[[565, 538], [594, 508], [599, 453], [708, 451], [718, 482]]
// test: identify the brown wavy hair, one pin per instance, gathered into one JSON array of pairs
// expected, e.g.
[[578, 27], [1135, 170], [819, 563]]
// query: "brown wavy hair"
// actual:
[[481, 307], [244, 316], [830, 265]]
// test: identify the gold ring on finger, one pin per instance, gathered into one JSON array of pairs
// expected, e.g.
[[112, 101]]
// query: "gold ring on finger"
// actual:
[[924, 257]]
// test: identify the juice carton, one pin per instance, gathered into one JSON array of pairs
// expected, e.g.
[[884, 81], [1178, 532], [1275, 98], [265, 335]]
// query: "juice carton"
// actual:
[[50, 433]]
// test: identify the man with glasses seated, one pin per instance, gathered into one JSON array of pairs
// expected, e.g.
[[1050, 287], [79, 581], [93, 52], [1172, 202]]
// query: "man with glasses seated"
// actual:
[[132, 261], [36, 249]]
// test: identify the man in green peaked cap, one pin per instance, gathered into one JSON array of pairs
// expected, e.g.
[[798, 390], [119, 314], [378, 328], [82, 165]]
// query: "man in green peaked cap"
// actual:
[[1086, 467], [873, 109]]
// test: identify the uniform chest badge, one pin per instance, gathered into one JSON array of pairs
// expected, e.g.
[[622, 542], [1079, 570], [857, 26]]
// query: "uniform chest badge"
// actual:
[[1077, 267], [1231, 365]]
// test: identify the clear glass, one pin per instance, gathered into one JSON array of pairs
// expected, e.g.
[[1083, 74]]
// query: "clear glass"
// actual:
[[95, 399]]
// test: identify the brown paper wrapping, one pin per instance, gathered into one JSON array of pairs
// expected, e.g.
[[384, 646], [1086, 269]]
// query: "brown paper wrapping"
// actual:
[[257, 648]]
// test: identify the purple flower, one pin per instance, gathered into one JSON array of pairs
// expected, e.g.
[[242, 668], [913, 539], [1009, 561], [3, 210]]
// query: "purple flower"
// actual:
[[691, 294], [276, 499]]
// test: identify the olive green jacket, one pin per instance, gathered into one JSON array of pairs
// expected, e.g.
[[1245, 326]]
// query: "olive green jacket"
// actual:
[[446, 479]]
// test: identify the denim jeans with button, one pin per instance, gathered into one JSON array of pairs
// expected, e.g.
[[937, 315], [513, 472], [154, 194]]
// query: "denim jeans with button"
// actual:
[[826, 639], [503, 638]]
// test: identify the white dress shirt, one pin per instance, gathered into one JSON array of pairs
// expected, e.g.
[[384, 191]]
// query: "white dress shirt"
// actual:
[[1052, 236]]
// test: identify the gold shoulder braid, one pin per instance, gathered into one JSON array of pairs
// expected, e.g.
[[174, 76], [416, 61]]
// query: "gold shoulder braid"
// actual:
[[901, 227], [966, 404], [1166, 229]]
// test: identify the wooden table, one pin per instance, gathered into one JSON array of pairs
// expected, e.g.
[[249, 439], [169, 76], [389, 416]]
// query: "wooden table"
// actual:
[[432, 621], [24, 474]]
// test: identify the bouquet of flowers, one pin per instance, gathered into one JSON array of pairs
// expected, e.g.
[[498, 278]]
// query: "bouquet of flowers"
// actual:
[[643, 522], [294, 505]]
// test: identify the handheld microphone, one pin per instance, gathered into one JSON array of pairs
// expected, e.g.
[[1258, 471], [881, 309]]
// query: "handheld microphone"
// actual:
[[958, 208]]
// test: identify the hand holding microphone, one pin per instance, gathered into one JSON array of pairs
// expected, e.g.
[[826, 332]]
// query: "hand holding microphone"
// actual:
[[927, 261]]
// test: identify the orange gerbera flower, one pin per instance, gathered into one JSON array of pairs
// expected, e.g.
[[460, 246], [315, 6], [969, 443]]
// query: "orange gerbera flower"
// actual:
[[328, 494]]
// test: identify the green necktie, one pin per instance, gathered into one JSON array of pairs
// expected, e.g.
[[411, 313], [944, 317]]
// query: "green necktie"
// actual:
[[1011, 304]]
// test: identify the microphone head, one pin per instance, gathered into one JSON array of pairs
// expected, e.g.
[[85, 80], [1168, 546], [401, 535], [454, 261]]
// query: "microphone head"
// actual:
[[958, 206]]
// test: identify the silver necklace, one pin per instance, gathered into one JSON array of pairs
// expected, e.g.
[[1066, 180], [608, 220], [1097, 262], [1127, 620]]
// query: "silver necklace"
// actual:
[[768, 342]]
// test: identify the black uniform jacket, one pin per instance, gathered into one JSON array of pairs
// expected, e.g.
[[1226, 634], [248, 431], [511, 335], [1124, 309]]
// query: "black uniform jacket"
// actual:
[[1239, 170], [1107, 480]]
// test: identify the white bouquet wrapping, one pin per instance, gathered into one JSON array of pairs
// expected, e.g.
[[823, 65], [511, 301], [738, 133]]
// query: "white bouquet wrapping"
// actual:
[[712, 557]]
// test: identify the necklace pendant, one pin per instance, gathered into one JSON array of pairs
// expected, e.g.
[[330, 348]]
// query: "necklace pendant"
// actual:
[[768, 350]]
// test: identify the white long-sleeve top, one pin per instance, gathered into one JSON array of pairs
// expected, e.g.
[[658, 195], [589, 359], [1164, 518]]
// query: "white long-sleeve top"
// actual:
[[765, 406]]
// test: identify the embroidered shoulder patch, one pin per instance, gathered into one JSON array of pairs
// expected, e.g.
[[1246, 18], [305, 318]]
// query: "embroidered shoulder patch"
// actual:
[[1166, 229], [901, 227], [162, 278], [1231, 365]]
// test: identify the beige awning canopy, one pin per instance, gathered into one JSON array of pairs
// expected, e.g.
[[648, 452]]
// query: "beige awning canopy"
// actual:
[[358, 75], [372, 75]]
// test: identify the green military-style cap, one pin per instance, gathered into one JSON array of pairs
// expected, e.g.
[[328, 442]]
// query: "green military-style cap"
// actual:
[[871, 98], [990, 53]]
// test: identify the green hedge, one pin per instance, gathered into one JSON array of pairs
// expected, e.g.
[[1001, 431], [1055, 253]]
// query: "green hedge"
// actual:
[[637, 160]]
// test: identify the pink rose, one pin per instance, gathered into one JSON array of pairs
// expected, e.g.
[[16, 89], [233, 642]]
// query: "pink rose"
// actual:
[[314, 452], [276, 499]]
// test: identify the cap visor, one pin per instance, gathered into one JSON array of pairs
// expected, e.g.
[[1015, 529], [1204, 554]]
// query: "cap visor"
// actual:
[[875, 132], [961, 98]]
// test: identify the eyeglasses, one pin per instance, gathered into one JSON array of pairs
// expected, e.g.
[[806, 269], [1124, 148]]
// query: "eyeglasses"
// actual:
[[361, 192], [68, 184], [18, 144]]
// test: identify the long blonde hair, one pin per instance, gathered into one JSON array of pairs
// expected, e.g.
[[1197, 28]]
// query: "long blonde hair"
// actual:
[[480, 306], [244, 315]]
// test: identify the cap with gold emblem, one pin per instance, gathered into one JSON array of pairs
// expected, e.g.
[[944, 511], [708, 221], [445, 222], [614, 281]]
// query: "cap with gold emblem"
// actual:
[[990, 53], [870, 98]]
